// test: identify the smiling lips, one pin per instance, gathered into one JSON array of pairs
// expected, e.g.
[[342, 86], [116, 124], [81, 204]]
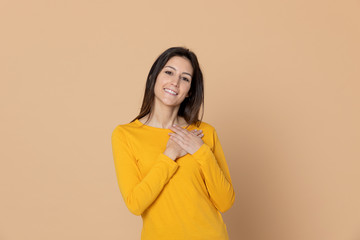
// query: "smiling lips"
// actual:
[[170, 91]]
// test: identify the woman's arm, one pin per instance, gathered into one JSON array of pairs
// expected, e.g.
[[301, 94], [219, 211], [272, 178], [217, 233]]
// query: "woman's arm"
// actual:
[[139, 193], [213, 165], [216, 173]]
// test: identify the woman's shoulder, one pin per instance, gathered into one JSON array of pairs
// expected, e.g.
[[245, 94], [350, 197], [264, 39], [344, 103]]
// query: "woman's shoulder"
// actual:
[[209, 132], [205, 126], [124, 127]]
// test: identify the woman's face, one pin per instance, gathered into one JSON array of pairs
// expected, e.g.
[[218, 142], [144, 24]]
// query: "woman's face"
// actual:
[[173, 82]]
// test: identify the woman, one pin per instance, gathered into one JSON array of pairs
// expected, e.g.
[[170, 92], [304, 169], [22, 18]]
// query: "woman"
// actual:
[[170, 165]]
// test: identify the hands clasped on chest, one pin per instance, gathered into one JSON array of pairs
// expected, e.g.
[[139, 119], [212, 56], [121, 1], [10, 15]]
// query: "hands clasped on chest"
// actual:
[[182, 141]]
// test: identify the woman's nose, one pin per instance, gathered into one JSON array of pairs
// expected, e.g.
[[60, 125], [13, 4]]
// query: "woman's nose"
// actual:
[[175, 80]]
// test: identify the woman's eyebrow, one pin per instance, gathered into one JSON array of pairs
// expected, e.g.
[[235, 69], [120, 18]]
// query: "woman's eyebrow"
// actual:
[[187, 74], [175, 70]]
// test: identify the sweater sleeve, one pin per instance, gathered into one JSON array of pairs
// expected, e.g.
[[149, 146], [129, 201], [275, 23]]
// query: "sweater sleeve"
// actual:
[[216, 174], [139, 192]]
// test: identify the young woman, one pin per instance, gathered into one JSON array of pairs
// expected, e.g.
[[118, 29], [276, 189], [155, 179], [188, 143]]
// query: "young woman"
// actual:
[[170, 165]]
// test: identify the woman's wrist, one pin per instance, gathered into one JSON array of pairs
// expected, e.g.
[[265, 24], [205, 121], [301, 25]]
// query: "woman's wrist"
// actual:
[[197, 149], [170, 155]]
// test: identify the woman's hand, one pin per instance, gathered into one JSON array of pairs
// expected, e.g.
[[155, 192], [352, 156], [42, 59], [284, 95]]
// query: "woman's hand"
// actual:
[[187, 140], [174, 150]]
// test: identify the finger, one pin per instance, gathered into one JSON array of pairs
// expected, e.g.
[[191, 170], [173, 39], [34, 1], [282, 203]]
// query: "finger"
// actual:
[[187, 144], [200, 134], [176, 128], [196, 132], [186, 137], [177, 139], [174, 141], [182, 132], [176, 136]]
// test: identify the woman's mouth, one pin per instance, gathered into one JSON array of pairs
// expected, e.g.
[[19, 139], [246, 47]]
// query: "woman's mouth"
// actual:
[[171, 92]]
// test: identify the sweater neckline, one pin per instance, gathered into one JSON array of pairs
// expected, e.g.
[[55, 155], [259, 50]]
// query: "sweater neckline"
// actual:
[[140, 124]]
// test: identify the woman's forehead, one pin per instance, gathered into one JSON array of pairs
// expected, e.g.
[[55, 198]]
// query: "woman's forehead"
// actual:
[[180, 64]]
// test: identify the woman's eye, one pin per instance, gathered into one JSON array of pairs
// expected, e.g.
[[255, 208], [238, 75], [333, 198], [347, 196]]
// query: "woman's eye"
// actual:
[[186, 79], [168, 72]]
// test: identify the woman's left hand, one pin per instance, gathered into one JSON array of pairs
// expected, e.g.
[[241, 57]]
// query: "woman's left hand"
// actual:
[[187, 140]]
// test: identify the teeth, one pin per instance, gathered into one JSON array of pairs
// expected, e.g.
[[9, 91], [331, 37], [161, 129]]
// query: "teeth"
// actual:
[[170, 91]]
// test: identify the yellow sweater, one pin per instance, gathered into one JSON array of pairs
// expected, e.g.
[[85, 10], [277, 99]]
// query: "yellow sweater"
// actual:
[[179, 199]]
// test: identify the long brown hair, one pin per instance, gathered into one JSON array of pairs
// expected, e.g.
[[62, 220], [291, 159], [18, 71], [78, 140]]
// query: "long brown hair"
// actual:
[[190, 107]]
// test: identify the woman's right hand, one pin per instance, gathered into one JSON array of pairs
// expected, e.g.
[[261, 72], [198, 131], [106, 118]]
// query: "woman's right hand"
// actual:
[[174, 150]]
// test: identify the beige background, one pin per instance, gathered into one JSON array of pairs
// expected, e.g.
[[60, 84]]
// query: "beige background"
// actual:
[[281, 88]]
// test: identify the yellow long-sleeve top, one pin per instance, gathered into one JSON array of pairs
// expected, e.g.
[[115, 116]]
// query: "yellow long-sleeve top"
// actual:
[[179, 199]]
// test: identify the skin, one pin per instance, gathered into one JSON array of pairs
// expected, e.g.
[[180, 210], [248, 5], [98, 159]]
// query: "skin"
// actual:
[[177, 76], [182, 141]]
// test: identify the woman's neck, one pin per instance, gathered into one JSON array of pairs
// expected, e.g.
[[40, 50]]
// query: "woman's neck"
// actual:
[[163, 121]]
